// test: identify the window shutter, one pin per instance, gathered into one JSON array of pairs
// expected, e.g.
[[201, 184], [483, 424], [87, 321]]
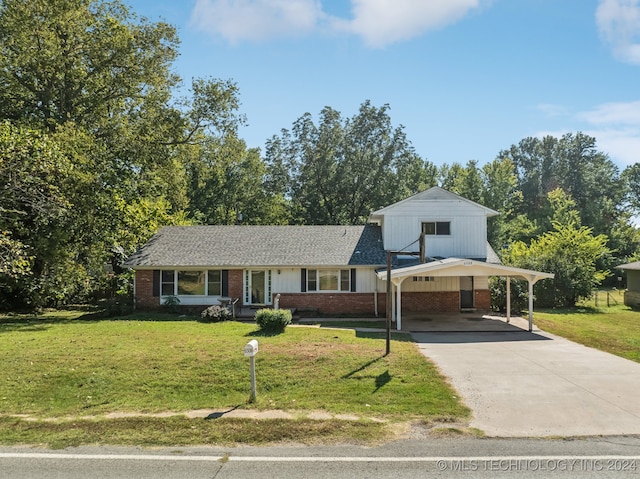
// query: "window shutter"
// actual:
[[353, 280], [225, 282], [156, 283], [303, 280]]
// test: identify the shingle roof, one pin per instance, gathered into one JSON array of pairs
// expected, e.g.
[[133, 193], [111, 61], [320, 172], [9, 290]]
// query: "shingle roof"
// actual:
[[262, 246], [632, 266]]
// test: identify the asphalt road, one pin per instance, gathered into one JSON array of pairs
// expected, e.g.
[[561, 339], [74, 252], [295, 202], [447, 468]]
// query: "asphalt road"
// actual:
[[617, 457]]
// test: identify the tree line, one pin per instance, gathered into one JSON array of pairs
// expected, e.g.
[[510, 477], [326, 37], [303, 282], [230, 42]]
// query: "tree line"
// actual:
[[101, 144]]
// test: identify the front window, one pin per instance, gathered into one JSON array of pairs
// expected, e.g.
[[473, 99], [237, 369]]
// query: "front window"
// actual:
[[329, 280], [214, 282], [436, 228], [191, 283]]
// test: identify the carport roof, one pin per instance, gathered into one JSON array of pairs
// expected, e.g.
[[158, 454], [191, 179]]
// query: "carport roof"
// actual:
[[462, 267]]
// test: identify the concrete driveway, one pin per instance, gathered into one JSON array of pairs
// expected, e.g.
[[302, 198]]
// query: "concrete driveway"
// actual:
[[521, 384]]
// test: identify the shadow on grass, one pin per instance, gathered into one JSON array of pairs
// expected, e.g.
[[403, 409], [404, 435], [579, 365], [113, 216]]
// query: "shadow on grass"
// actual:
[[403, 337], [261, 333], [33, 322], [218, 415], [382, 380], [363, 367]]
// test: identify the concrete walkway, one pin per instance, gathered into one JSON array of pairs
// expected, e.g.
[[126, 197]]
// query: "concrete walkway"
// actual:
[[521, 384]]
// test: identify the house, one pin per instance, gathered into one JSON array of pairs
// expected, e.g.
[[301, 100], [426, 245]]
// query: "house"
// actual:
[[333, 269], [632, 293]]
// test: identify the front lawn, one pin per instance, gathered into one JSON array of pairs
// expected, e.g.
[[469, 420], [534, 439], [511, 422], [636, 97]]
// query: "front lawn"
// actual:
[[67, 367], [615, 329]]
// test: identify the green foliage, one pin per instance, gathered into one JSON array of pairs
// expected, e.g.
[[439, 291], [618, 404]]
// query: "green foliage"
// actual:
[[338, 171], [518, 294], [572, 164], [101, 165], [273, 320], [570, 252], [227, 185], [216, 313], [171, 304]]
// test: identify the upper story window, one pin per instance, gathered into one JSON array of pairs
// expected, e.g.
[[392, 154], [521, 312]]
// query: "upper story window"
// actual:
[[437, 228]]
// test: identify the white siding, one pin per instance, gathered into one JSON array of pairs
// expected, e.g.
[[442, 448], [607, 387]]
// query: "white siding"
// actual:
[[285, 280], [402, 226], [366, 280], [288, 280], [439, 283]]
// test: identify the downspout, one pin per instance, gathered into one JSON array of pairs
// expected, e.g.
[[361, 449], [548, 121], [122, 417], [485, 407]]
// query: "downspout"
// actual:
[[375, 302], [134, 289]]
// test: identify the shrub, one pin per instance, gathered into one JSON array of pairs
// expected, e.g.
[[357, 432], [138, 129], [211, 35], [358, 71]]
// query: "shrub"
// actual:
[[273, 320], [171, 303], [216, 313]]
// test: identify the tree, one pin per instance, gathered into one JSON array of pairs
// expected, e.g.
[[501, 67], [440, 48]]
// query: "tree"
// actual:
[[227, 186], [573, 164], [32, 168], [340, 170], [92, 82], [80, 60], [570, 251]]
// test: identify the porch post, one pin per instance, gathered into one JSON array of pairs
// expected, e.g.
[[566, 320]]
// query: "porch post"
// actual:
[[399, 305], [508, 299], [530, 305]]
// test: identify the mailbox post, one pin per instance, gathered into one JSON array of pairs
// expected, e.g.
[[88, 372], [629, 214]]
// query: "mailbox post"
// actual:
[[250, 350]]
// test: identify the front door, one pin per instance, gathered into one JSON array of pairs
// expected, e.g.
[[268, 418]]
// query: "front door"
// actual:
[[258, 287], [466, 292]]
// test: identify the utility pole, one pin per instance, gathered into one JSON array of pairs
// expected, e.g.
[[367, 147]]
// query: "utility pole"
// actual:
[[390, 254], [389, 293]]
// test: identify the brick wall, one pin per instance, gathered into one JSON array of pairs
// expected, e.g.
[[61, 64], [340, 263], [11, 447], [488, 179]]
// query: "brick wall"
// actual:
[[235, 286], [144, 291], [435, 302], [333, 303], [329, 303], [362, 303], [482, 300]]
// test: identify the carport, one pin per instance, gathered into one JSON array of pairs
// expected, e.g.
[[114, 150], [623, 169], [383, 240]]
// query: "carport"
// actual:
[[459, 267]]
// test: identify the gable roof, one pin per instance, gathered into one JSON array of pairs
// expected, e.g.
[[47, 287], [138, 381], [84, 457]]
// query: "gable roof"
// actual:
[[434, 193], [463, 267], [198, 246]]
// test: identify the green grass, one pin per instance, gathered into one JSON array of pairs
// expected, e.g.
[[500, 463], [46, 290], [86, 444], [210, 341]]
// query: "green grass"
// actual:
[[615, 329], [180, 431], [69, 365]]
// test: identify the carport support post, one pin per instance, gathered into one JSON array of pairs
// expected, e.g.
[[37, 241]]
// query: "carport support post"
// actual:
[[508, 299], [530, 306]]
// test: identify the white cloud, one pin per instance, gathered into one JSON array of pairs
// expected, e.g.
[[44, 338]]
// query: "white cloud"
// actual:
[[377, 22], [381, 22], [622, 145], [613, 114], [237, 20], [615, 126], [619, 25]]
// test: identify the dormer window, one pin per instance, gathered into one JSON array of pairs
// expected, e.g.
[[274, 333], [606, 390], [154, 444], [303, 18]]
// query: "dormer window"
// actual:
[[437, 228]]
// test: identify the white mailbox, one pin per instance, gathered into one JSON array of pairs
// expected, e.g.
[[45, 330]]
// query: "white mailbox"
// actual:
[[251, 348]]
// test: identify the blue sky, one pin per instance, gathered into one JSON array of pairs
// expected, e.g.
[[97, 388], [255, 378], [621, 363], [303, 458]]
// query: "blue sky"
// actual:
[[466, 78]]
